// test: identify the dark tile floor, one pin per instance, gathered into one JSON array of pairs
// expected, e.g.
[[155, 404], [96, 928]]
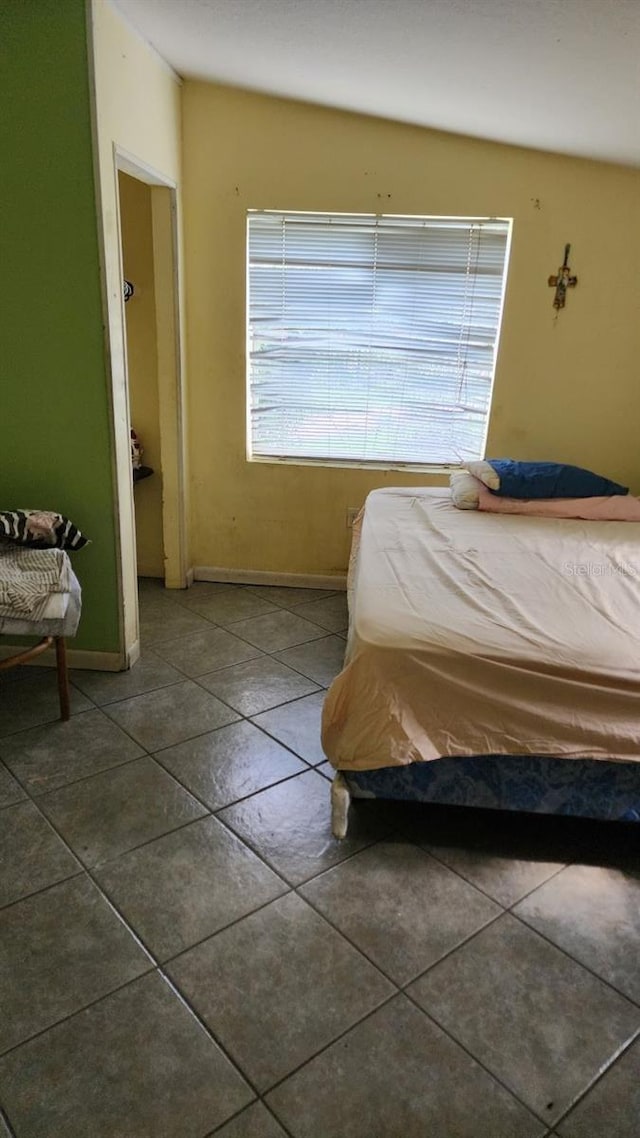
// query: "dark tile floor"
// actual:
[[185, 950]]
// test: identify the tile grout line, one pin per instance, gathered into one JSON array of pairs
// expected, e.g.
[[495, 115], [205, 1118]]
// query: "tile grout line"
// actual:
[[102, 707], [229, 628], [357, 1023], [399, 992], [399, 986], [209, 812], [272, 653], [148, 691], [587, 968], [294, 669], [155, 966], [496, 1078], [608, 1064], [241, 620], [508, 911], [145, 751], [236, 801], [131, 849], [260, 1096], [185, 677], [4, 1118], [450, 952], [273, 707], [262, 654], [287, 747], [239, 587], [270, 865], [35, 798], [289, 1133], [241, 718], [507, 908], [239, 1113], [70, 1015], [325, 633], [127, 732], [171, 960], [540, 885], [208, 1031], [49, 722], [43, 888], [605, 1070]]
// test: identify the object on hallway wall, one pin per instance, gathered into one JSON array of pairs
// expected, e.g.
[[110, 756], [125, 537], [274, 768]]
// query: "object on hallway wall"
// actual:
[[142, 472], [562, 281], [137, 450], [128, 290]]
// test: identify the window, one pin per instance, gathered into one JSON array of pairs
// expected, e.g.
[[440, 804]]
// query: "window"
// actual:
[[372, 340]]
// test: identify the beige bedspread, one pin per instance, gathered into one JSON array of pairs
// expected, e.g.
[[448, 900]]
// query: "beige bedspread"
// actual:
[[477, 634]]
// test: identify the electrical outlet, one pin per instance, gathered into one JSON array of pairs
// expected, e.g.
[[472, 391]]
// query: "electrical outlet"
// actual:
[[352, 513]]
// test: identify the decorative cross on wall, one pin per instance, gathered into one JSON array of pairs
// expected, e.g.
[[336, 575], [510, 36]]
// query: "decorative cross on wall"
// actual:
[[563, 280]]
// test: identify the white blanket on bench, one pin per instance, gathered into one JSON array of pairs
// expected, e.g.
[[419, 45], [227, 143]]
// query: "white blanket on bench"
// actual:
[[28, 577]]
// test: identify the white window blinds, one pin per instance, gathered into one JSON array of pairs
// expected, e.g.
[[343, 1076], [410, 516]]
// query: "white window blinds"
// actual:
[[372, 339]]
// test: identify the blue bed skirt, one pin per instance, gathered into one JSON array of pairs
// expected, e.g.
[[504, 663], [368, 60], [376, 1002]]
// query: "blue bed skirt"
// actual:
[[585, 788]]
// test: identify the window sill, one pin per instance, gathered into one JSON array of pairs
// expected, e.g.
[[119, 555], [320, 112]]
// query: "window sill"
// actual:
[[396, 467]]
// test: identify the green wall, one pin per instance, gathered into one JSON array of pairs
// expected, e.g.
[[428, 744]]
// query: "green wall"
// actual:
[[54, 411]]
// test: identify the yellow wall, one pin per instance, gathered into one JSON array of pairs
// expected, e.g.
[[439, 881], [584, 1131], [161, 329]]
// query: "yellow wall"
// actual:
[[565, 389], [138, 111], [142, 364]]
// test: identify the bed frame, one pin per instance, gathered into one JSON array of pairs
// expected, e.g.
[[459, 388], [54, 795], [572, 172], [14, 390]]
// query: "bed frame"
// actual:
[[583, 788]]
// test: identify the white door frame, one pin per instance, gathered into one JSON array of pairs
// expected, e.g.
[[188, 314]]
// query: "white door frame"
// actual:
[[170, 395]]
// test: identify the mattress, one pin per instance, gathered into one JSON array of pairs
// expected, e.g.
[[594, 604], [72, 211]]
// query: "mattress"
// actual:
[[478, 634]]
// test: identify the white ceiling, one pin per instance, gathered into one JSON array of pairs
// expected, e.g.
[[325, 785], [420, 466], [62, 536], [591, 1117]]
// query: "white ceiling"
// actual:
[[563, 75]]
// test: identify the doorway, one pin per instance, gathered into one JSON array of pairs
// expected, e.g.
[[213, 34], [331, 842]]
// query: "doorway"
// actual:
[[136, 233], [153, 509]]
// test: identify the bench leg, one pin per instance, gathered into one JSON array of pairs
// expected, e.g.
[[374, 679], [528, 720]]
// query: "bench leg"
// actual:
[[340, 802], [63, 677]]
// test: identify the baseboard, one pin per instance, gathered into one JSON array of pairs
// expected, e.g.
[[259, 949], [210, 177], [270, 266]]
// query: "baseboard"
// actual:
[[76, 658], [263, 577]]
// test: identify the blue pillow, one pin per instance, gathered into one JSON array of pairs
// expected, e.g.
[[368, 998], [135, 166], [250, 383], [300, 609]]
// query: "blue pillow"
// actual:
[[550, 480]]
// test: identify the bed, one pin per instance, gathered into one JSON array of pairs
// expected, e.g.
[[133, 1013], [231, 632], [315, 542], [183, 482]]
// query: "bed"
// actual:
[[53, 619], [492, 660]]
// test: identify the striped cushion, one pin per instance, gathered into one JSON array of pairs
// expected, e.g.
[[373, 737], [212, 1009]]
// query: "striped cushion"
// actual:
[[39, 529]]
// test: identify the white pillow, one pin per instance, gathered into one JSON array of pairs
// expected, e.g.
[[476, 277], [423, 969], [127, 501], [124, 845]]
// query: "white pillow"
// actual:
[[485, 472], [464, 490]]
